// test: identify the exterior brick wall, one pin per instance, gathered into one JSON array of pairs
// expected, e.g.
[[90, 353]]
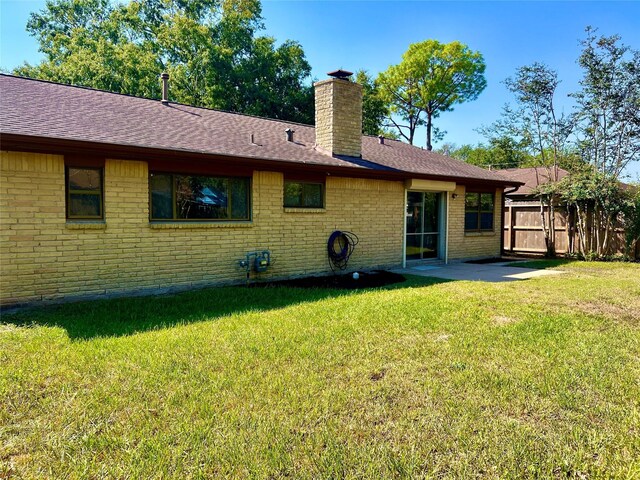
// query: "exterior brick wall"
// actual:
[[339, 117], [44, 257], [472, 244]]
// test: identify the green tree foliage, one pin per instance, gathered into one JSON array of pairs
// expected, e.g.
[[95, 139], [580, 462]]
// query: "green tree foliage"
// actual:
[[600, 204], [502, 152], [210, 48], [594, 145], [609, 103], [535, 125], [631, 215], [374, 108], [431, 78], [607, 119], [399, 94]]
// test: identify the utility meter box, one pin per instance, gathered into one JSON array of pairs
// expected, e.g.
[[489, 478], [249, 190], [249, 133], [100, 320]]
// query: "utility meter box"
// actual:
[[257, 261], [261, 262]]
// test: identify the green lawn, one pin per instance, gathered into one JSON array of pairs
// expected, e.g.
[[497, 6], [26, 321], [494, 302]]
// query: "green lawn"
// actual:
[[539, 378]]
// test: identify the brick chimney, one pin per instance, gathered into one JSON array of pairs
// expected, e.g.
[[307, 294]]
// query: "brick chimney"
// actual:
[[339, 115]]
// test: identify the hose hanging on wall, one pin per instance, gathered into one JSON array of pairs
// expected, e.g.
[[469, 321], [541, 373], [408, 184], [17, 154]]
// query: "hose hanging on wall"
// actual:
[[340, 247]]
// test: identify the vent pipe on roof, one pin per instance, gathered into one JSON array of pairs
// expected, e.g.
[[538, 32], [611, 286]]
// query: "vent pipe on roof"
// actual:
[[381, 139], [165, 88], [289, 133]]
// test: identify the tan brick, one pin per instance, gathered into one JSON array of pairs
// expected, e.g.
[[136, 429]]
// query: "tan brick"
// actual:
[[39, 255], [339, 117], [128, 254], [471, 245]]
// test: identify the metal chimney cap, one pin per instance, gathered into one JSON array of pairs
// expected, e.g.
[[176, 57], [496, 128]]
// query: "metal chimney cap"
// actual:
[[341, 74], [164, 76]]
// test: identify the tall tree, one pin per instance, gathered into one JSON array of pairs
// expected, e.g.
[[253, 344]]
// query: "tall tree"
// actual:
[[209, 47], [374, 108], [431, 78], [609, 103], [536, 125], [608, 122], [398, 89]]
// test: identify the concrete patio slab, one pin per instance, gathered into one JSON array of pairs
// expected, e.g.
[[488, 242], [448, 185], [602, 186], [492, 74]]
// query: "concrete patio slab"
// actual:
[[491, 272]]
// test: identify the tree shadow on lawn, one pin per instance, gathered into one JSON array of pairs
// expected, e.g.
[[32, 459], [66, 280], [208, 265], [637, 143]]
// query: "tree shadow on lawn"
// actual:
[[542, 264], [129, 315]]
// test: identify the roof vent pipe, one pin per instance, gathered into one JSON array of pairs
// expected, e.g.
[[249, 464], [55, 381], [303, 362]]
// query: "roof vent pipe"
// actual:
[[289, 133], [165, 88], [381, 139]]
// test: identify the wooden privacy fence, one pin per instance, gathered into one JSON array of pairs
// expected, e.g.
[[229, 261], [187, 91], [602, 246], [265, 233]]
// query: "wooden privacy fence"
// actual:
[[523, 230]]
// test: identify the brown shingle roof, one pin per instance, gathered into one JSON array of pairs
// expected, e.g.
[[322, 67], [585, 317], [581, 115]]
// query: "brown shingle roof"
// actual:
[[37, 108], [531, 177]]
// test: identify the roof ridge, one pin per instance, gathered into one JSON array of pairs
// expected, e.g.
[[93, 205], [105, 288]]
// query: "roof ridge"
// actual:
[[83, 87]]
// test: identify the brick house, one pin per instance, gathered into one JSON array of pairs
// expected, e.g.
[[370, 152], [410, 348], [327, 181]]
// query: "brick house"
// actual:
[[104, 194]]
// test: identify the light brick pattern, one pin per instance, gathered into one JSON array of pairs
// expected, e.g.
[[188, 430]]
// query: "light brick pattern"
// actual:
[[473, 244], [43, 257], [339, 117]]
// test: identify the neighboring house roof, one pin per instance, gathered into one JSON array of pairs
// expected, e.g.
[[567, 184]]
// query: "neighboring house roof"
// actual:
[[532, 177], [45, 110]]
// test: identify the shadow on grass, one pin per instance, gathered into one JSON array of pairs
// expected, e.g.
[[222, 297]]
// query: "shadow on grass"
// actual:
[[543, 263], [127, 316]]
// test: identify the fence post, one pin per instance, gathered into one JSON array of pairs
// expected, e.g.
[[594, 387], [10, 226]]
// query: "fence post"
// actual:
[[511, 230]]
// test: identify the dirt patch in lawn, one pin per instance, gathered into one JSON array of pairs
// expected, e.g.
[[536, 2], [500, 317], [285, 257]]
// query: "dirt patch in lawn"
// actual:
[[376, 278], [504, 320], [628, 313]]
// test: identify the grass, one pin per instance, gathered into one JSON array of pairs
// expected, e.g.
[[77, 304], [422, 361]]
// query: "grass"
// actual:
[[539, 378]]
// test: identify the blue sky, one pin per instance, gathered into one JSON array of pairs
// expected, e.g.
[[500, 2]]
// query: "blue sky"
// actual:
[[374, 34]]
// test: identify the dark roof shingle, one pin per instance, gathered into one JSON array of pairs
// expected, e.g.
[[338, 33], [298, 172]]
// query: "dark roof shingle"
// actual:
[[50, 110], [532, 177]]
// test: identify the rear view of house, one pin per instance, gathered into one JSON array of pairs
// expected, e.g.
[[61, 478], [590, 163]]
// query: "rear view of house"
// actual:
[[105, 194]]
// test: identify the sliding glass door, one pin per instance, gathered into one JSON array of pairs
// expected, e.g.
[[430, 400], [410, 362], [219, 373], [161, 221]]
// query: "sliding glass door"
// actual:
[[423, 225]]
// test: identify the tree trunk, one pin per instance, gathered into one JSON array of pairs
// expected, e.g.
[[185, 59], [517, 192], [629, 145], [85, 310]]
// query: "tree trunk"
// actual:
[[597, 225], [580, 223], [608, 237], [412, 130], [543, 222], [547, 226], [569, 229], [551, 248], [429, 126]]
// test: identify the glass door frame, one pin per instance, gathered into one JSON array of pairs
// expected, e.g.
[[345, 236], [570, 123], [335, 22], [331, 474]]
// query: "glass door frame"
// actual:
[[443, 210]]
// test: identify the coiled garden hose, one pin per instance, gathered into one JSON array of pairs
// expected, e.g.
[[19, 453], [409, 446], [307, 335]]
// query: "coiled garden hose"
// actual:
[[340, 247]]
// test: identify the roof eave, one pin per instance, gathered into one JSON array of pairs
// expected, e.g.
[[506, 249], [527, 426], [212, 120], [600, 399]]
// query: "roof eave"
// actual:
[[62, 146]]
